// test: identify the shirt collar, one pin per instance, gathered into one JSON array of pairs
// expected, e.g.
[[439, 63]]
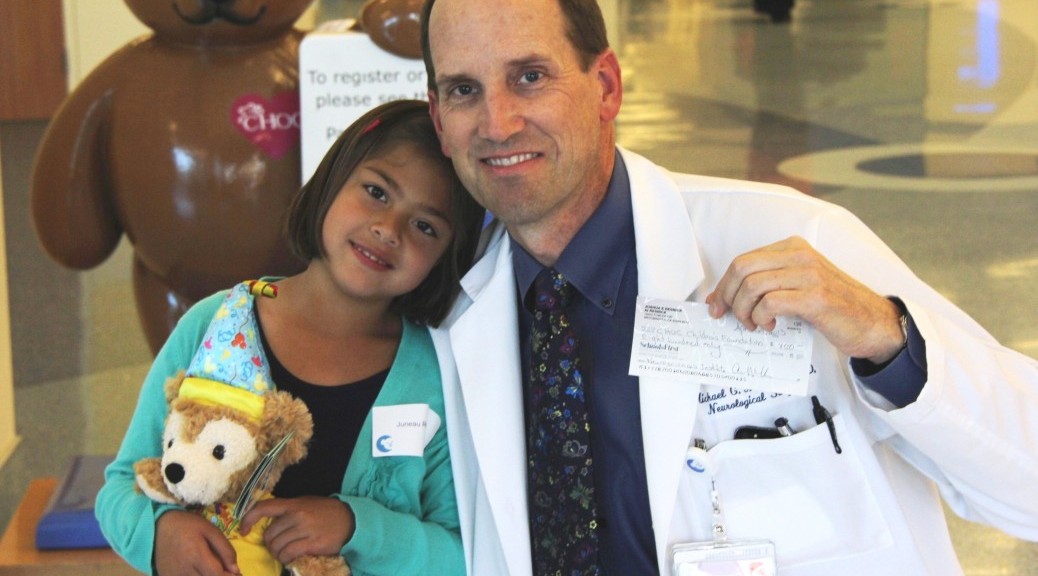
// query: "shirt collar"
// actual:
[[595, 260]]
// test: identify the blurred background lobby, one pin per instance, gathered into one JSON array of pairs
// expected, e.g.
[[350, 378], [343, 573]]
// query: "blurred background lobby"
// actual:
[[920, 116]]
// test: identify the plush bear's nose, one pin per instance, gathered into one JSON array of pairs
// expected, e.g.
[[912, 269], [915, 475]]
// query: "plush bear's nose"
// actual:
[[174, 473]]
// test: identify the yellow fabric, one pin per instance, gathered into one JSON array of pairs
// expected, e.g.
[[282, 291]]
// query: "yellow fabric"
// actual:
[[219, 394], [254, 559]]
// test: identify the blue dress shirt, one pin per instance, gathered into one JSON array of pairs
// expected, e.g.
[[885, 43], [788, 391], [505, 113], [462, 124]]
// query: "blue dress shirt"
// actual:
[[600, 262]]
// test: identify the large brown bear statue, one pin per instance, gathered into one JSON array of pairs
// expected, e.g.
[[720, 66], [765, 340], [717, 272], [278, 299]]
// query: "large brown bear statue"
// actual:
[[187, 141]]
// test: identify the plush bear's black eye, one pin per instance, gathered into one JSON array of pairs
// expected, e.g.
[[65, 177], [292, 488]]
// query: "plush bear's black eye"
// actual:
[[218, 452], [169, 444]]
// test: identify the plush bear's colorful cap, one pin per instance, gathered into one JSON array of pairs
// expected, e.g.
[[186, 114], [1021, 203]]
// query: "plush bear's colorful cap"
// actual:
[[230, 368]]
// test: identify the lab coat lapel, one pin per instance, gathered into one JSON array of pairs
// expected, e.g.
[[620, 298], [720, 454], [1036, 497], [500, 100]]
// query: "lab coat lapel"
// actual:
[[484, 340], [669, 267]]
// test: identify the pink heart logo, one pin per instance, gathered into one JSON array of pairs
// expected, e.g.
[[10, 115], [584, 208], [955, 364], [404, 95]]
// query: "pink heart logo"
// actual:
[[272, 125]]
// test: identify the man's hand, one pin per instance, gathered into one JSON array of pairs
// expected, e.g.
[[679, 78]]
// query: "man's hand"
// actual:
[[309, 525], [790, 278], [185, 544]]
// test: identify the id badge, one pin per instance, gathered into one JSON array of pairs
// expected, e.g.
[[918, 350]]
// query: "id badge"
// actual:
[[725, 558]]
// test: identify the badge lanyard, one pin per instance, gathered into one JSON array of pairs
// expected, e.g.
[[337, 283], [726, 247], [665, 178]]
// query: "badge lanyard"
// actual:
[[721, 556], [717, 518]]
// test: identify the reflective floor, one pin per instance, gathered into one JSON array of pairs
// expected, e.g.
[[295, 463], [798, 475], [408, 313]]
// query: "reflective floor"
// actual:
[[921, 116]]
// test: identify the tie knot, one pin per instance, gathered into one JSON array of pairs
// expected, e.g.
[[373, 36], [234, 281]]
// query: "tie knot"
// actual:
[[551, 291]]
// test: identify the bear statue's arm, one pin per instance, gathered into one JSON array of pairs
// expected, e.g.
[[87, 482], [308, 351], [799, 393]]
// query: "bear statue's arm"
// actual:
[[72, 208], [127, 517]]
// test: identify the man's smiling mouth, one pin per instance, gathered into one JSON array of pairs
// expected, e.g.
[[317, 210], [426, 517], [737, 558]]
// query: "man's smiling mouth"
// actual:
[[510, 160]]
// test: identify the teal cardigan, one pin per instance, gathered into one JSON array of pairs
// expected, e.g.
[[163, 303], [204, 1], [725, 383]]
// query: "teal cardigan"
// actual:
[[405, 507]]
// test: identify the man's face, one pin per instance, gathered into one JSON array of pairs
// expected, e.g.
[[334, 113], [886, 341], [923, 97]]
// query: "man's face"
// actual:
[[528, 129]]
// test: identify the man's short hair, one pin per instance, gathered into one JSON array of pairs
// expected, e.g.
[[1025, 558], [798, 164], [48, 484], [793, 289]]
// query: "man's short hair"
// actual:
[[585, 29]]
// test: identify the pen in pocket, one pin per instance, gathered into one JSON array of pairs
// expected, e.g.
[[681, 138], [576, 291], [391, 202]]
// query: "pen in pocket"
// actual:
[[823, 415]]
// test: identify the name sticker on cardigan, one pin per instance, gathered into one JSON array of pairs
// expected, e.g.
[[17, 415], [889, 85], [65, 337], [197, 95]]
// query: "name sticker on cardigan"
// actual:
[[402, 430], [680, 340]]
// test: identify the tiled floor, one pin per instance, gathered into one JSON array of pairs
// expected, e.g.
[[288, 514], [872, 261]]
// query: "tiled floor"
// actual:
[[921, 116]]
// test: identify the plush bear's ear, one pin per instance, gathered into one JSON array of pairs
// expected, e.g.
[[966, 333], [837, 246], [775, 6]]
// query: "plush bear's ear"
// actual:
[[173, 387], [282, 413]]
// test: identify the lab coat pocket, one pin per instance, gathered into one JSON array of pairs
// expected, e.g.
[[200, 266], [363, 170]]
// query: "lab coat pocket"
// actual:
[[798, 492]]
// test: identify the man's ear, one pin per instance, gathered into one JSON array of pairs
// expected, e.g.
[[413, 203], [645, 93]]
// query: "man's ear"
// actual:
[[434, 112], [607, 67]]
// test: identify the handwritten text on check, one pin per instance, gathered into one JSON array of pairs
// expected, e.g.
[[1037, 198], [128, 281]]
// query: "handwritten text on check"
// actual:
[[680, 340]]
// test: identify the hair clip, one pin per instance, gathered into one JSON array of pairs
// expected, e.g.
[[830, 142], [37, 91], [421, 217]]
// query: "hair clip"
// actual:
[[374, 124]]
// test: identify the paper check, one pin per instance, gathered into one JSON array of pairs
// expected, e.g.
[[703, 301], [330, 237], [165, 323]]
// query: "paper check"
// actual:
[[680, 340]]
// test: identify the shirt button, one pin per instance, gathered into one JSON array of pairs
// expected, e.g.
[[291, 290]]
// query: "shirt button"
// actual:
[[607, 302]]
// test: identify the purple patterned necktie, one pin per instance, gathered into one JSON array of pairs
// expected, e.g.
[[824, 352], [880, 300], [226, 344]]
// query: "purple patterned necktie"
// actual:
[[563, 525]]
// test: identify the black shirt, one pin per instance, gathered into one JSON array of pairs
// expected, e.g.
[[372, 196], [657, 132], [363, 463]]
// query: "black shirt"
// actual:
[[339, 413]]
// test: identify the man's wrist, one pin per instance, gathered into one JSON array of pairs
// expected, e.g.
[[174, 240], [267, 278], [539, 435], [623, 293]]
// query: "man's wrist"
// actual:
[[902, 324], [900, 379], [892, 347]]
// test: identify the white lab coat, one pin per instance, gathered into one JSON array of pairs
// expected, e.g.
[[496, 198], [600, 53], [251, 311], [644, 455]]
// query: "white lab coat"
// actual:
[[972, 434]]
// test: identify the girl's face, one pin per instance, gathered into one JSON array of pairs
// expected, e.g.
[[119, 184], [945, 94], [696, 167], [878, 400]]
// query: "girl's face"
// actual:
[[390, 224]]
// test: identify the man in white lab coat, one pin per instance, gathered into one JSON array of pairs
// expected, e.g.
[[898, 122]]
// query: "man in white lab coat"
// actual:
[[914, 399]]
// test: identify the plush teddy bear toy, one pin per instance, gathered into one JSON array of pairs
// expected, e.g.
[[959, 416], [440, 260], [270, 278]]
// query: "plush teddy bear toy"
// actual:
[[224, 418]]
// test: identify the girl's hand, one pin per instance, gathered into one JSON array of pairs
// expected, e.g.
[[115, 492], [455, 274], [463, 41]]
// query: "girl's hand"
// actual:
[[185, 544], [309, 525]]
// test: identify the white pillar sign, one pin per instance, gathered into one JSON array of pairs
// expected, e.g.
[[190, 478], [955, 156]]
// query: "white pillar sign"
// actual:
[[342, 75]]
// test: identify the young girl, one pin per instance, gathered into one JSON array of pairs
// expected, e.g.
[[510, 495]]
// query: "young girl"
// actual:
[[388, 230]]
